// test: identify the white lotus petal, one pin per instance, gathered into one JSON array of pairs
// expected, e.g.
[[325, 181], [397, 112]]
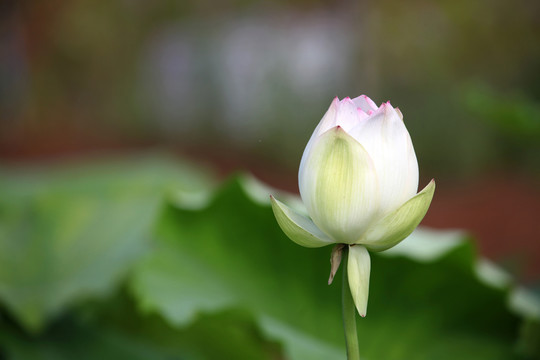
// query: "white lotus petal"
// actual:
[[363, 116], [297, 227], [365, 103], [358, 270], [327, 122], [400, 223], [386, 139], [399, 113], [339, 186], [347, 115]]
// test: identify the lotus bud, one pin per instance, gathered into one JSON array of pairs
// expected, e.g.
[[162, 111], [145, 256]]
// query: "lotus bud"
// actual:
[[358, 180]]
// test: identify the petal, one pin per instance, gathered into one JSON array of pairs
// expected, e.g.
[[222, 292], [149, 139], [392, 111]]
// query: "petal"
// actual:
[[327, 122], [347, 115], [329, 119], [358, 270], [365, 104], [363, 116], [386, 139], [399, 224], [297, 227], [335, 261], [339, 186], [399, 113]]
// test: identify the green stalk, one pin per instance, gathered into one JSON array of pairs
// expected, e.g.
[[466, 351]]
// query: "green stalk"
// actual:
[[349, 313]]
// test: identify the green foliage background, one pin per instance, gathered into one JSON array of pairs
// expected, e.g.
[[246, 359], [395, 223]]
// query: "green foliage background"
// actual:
[[147, 258]]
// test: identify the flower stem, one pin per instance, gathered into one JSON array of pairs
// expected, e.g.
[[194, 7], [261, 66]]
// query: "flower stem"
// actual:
[[349, 314]]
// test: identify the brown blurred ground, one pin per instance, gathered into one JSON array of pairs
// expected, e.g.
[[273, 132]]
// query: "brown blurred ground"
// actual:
[[502, 212]]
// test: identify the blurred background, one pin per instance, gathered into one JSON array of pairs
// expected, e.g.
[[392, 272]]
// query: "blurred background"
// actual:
[[222, 87], [240, 85]]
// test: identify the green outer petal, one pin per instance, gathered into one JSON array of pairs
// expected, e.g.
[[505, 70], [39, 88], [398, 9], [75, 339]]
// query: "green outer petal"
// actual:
[[339, 186], [358, 270], [298, 228], [400, 223]]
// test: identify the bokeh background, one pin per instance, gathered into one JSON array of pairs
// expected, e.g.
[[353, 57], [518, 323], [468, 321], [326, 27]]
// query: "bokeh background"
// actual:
[[240, 85]]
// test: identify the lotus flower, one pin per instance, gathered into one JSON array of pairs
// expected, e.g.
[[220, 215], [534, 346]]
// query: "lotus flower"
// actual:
[[358, 180]]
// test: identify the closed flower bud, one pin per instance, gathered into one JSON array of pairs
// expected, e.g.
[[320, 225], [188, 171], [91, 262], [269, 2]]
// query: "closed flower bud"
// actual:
[[358, 179]]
